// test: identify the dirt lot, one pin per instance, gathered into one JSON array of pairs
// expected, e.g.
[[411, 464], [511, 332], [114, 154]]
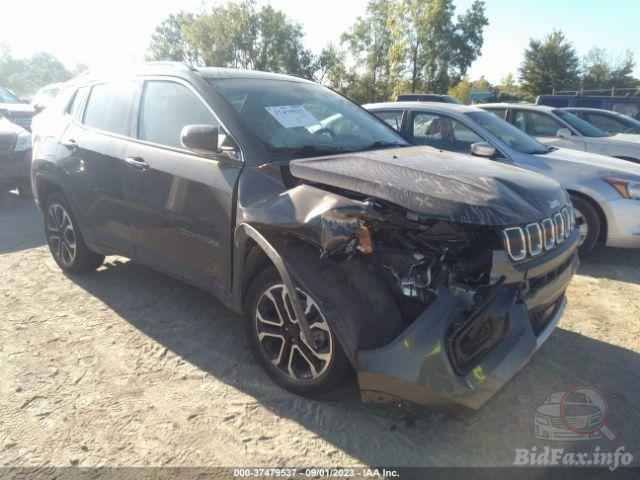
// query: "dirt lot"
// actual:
[[127, 367]]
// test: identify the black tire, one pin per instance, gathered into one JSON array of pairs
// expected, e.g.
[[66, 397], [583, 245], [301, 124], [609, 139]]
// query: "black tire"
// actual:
[[332, 372], [25, 191], [586, 214], [58, 235]]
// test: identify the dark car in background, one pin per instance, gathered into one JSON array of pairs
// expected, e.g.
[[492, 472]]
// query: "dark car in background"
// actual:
[[15, 157], [426, 97], [16, 110], [436, 276], [629, 106]]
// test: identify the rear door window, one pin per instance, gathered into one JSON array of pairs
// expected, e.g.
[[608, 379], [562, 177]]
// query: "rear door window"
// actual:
[[443, 132], [110, 106], [166, 108]]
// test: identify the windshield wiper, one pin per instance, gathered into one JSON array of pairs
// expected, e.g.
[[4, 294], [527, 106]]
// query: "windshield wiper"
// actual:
[[309, 149], [384, 144]]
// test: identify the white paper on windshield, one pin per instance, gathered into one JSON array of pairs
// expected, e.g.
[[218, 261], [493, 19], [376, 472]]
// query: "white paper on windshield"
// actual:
[[292, 116]]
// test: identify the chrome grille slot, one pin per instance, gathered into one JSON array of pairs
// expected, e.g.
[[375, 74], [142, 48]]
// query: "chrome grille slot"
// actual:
[[567, 222], [558, 221], [534, 239], [549, 233], [515, 243]]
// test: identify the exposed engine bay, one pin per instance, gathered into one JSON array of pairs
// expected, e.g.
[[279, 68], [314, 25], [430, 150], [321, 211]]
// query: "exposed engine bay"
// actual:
[[413, 254]]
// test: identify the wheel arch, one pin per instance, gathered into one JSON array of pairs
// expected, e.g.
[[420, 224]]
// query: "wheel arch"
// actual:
[[44, 186], [604, 226]]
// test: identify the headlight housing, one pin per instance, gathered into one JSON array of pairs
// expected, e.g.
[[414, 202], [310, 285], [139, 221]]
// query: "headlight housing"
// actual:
[[626, 188], [23, 142]]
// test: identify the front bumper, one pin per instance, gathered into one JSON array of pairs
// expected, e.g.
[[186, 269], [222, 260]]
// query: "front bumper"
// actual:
[[623, 223], [14, 168], [419, 366]]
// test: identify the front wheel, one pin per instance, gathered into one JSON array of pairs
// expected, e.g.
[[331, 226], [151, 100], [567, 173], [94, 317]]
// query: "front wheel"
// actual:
[[588, 222], [275, 338], [65, 239]]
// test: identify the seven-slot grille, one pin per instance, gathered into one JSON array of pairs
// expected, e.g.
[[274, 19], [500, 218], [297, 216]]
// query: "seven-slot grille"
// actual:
[[538, 237]]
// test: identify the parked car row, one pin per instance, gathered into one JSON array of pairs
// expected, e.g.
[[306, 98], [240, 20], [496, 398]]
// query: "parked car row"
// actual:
[[435, 275], [604, 190]]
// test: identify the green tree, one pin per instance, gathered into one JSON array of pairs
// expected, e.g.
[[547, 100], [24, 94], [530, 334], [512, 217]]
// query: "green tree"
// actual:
[[415, 45], [602, 70], [462, 91], [168, 42], [26, 76], [234, 35], [370, 42], [550, 64]]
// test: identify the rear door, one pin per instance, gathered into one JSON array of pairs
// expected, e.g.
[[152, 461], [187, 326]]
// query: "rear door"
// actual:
[[93, 147], [181, 204]]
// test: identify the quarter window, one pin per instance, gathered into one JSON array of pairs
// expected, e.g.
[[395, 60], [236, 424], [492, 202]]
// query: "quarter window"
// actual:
[[393, 118], [74, 108], [536, 124], [443, 132], [109, 107], [166, 108]]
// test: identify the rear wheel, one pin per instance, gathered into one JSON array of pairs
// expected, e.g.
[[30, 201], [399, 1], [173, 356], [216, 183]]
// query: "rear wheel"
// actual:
[[65, 239], [275, 338], [589, 223]]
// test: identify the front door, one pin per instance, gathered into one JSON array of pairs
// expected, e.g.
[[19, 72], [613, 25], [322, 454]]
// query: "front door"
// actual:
[[545, 128], [181, 204]]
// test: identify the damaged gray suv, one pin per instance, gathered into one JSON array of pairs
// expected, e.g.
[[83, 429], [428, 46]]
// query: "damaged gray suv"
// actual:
[[434, 275]]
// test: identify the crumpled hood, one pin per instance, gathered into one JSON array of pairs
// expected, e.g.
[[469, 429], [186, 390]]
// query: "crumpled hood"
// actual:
[[441, 185], [627, 137]]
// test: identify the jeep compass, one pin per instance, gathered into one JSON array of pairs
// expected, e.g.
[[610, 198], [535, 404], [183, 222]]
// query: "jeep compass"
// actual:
[[434, 275]]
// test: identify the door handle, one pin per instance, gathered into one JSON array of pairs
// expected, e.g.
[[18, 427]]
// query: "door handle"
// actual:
[[137, 163], [71, 144]]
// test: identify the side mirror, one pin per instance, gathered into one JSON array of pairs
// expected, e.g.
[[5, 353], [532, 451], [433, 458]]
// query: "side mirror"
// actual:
[[564, 133], [483, 149], [201, 139]]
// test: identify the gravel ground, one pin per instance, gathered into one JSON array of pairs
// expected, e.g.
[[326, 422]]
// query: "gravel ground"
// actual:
[[128, 367]]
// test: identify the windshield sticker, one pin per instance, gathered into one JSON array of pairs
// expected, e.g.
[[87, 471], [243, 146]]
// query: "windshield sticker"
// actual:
[[292, 116]]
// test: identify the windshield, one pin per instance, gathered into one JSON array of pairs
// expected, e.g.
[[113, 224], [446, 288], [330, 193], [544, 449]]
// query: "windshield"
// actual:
[[509, 134], [7, 97], [585, 128], [304, 118]]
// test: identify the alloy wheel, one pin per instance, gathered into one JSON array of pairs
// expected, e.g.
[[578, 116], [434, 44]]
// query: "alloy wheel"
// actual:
[[61, 234], [582, 225], [279, 334]]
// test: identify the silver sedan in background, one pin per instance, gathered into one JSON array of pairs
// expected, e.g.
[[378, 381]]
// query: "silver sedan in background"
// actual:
[[553, 126], [605, 191]]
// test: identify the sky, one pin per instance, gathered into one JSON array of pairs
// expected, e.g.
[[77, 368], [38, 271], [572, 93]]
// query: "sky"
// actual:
[[106, 34]]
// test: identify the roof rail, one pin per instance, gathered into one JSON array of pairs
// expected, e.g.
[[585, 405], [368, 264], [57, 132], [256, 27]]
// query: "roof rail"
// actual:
[[611, 92]]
